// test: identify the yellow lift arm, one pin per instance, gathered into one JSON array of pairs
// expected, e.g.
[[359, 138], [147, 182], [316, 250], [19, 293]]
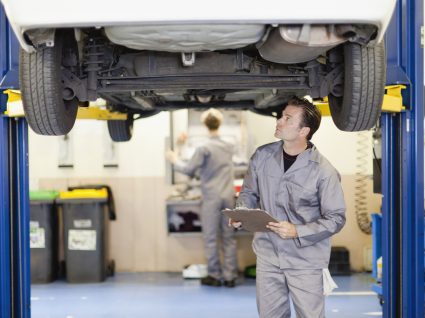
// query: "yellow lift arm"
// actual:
[[393, 103], [15, 109], [99, 114]]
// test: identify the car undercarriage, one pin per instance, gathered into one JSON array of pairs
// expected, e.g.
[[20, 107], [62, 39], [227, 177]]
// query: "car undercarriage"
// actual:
[[303, 60]]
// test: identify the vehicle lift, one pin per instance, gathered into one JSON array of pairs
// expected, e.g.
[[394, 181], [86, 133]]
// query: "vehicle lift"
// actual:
[[402, 175], [403, 168]]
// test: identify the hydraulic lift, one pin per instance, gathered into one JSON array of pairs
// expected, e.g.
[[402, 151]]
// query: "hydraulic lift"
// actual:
[[403, 168], [402, 176], [14, 198]]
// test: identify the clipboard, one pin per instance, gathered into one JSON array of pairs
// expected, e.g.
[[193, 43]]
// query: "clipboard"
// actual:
[[253, 220]]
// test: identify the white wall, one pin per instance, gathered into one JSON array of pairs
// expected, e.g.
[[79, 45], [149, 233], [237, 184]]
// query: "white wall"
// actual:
[[141, 157]]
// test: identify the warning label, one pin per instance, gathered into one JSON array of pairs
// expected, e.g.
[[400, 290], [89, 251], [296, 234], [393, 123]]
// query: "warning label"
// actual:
[[37, 237], [84, 223], [82, 240]]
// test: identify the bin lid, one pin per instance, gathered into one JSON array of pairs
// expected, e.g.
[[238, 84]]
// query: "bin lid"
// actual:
[[84, 194], [43, 195]]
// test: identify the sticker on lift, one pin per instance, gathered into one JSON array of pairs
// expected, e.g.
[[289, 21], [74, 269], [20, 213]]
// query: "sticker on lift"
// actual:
[[37, 237], [82, 240]]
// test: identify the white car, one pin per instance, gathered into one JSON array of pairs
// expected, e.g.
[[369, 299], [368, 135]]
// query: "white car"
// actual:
[[144, 57]]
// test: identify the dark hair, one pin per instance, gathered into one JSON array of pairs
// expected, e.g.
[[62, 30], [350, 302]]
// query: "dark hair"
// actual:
[[311, 115], [212, 122]]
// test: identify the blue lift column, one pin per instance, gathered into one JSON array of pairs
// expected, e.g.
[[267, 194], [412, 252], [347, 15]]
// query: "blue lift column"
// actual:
[[403, 169], [14, 197]]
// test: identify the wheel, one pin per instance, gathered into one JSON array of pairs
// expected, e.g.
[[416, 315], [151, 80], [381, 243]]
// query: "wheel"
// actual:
[[381, 300], [62, 269], [121, 130], [42, 91], [110, 271], [358, 107]]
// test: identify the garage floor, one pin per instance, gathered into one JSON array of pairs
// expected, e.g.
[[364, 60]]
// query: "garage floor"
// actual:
[[162, 295]]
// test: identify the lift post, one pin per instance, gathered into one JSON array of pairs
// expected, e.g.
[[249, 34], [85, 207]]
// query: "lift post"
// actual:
[[14, 219], [403, 169], [15, 278]]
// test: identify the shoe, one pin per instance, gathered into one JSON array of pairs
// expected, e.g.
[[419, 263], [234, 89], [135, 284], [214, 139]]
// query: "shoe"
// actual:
[[230, 283], [210, 281]]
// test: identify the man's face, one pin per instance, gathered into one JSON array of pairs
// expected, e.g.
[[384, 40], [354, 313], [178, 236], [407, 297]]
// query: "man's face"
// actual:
[[288, 127]]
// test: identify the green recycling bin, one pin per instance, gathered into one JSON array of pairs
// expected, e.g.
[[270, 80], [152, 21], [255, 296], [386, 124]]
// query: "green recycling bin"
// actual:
[[43, 236], [85, 229]]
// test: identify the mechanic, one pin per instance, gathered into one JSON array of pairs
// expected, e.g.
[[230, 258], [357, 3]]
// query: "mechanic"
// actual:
[[299, 187], [215, 165]]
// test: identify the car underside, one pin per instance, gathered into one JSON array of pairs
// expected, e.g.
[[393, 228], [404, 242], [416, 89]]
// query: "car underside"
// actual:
[[144, 70]]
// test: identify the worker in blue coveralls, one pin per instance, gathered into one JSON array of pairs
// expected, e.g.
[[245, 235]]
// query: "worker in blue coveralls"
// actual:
[[214, 162], [299, 187]]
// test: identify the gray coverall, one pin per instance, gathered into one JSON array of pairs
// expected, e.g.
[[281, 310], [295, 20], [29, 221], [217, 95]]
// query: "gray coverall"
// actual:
[[214, 161], [308, 195]]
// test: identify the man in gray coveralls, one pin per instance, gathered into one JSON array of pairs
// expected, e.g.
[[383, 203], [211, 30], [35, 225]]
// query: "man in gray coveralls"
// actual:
[[215, 165], [299, 187]]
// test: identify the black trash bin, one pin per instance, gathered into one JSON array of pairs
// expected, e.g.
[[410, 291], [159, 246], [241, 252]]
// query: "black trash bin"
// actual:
[[43, 236], [85, 218]]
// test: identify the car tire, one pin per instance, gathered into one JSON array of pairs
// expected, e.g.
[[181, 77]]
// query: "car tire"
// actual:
[[121, 130], [110, 269], [364, 86], [45, 109]]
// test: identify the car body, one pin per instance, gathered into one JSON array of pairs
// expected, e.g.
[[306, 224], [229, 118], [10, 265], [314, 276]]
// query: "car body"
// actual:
[[146, 57]]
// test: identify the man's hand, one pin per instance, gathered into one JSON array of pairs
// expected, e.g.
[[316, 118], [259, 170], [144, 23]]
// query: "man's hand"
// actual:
[[181, 140], [235, 224], [284, 229], [171, 156]]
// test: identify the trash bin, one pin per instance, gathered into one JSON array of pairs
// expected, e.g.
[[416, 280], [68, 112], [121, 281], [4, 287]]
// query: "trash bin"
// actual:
[[43, 236], [86, 232]]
